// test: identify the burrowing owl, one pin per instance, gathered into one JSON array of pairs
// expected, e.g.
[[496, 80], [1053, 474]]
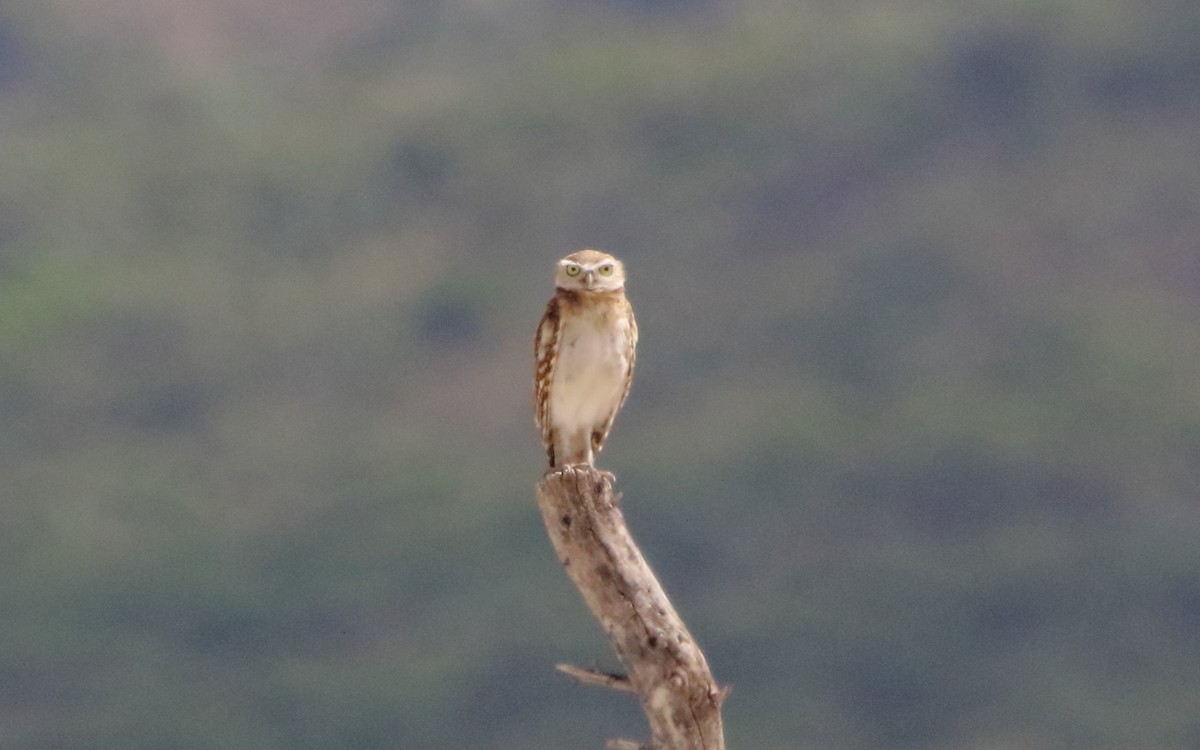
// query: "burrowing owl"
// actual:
[[584, 351]]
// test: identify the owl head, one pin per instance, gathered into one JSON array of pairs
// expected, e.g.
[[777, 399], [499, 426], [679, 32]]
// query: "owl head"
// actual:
[[590, 271]]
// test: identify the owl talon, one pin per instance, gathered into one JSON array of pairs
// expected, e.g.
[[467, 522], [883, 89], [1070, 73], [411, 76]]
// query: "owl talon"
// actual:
[[582, 467]]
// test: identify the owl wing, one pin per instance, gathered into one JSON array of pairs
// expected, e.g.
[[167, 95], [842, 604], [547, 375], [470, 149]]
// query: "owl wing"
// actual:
[[600, 434], [545, 354]]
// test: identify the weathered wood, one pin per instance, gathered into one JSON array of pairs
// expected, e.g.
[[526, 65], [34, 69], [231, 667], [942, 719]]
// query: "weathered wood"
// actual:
[[681, 700]]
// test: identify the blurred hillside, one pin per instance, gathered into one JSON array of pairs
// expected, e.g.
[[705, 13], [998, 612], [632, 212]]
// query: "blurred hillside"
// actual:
[[914, 441]]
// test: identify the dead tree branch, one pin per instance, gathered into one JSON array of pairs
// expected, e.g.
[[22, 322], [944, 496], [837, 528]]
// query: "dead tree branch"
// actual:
[[667, 670]]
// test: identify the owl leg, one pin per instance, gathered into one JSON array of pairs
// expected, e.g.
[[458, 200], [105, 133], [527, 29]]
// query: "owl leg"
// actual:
[[573, 449]]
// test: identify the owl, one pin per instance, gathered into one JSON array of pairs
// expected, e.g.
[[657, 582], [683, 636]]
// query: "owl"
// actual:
[[584, 352]]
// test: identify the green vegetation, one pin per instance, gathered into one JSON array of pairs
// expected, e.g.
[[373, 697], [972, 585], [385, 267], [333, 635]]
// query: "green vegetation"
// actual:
[[914, 442]]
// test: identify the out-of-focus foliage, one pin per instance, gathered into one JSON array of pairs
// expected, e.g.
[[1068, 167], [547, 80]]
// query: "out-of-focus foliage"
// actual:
[[914, 442]]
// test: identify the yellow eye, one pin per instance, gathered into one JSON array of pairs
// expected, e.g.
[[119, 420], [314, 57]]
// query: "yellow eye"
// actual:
[[573, 270], [606, 269]]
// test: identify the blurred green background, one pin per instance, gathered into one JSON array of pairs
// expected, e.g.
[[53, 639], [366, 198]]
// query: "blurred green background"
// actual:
[[914, 442]]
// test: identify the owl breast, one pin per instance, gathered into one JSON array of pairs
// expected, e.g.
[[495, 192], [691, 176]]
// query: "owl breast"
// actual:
[[589, 378]]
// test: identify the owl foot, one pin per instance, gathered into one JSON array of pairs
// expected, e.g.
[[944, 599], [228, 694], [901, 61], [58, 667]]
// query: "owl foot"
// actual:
[[577, 468], [583, 468]]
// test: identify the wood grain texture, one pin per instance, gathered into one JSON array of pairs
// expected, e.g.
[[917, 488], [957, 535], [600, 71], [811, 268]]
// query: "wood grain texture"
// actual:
[[679, 696]]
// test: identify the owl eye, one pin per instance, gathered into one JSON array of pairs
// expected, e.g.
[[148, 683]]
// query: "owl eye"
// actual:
[[606, 269], [573, 271]]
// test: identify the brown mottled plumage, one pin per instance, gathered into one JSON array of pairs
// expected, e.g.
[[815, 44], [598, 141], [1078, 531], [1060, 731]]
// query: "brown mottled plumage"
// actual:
[[584, 353]]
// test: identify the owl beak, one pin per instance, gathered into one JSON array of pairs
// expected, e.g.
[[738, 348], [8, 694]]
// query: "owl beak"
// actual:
[[590, 278]]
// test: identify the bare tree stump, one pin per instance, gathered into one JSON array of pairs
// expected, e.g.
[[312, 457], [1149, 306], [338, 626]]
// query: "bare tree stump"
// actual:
[[667, 670]]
